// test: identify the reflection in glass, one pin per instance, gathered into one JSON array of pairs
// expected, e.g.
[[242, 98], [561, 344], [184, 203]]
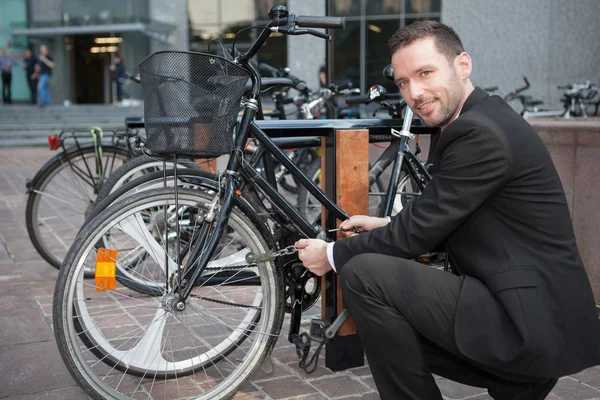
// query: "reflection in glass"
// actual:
[[409, 21], [378, 55], [383, 7], [422, 6], [347, 54], [347, 7]]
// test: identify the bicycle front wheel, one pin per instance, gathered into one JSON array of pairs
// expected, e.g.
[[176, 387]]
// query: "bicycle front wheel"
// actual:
[[61, 194], [122, 344]]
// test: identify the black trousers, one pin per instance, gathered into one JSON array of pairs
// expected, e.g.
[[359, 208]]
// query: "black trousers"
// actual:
[[404, 316], [6, 82], [33, 84]]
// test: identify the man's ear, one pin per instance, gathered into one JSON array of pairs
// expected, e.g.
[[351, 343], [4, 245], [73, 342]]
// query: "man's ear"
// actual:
[[464, 65]]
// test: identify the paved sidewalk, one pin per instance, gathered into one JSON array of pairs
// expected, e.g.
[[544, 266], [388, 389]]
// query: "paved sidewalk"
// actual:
[[31, 367]]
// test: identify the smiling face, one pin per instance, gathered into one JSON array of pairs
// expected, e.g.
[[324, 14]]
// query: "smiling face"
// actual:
[[433, 86]]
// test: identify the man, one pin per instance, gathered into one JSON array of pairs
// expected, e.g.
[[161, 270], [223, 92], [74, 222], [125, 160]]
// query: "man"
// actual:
[[520, 312], [6, 64], [120, 77], [31, 67], [46, 65]]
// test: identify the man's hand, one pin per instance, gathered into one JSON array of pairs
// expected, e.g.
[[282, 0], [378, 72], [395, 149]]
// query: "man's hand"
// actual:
[[313, 254], [363, 221]]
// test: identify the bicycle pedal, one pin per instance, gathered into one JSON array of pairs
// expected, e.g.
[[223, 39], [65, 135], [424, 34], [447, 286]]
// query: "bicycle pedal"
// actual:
[[317, 329]]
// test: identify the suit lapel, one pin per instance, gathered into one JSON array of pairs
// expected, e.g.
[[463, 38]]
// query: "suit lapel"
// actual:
[[476, 96], [437, 148]]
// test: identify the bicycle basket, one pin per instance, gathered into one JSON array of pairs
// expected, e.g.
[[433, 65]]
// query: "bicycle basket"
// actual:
[[191, 103]]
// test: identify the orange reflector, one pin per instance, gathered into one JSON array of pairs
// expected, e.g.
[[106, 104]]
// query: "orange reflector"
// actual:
[[106, 269], [238, 192], [423, 259]]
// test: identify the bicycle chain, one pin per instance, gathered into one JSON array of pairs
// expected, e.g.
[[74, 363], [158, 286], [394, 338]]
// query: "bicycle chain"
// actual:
[[226, 303], [285, 251]]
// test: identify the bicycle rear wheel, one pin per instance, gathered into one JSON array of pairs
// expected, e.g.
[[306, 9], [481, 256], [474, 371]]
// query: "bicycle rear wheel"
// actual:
[[121, 344], [60, 194]]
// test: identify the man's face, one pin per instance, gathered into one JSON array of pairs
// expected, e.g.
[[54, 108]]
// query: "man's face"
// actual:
[[3, 50], [43, 50], [27, 53], [432, 86]]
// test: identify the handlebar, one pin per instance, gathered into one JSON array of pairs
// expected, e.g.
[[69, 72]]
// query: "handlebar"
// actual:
[[490, 88], [366, 99], [266, 68], [320, 22], [524, 87]]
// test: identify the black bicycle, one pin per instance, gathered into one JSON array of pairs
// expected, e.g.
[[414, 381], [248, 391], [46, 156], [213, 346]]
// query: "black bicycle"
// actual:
[[64, 188], [220, 268]]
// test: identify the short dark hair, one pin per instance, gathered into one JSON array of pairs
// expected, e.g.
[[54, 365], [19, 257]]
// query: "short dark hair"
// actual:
[[446, 39]]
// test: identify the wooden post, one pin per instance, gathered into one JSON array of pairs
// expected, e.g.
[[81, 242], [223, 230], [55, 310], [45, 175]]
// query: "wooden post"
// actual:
[[207, 164], [345, 169]]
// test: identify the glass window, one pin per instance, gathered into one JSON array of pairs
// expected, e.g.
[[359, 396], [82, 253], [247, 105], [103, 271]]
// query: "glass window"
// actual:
[[274, 52], [347, 8], [383, 7], [202, 13], [347, 54], [422, 6], [262, 7], [409, 21], [378, 55]]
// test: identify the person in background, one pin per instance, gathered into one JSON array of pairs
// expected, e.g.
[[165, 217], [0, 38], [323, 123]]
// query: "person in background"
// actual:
[[31, 67], [323, 74], [120, 77], [6, 64], [46, 65]]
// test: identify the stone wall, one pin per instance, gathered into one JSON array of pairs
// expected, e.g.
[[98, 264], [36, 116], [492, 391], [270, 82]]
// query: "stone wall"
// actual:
[[575, 148]]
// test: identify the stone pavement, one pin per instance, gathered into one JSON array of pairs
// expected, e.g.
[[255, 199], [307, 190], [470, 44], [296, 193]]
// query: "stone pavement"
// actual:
[[31, 367]]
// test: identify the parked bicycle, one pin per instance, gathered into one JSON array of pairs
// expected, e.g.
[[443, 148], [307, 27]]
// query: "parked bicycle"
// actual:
[[221, 268], [63, 189], [575, 99]]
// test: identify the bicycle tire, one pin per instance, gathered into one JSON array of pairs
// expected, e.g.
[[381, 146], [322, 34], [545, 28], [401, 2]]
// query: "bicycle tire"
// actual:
[[89, 350], [188, 178], [135, 167], [51, 181]]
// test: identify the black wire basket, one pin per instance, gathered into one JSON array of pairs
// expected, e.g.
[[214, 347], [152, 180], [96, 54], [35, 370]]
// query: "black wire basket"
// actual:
[[191, 103]]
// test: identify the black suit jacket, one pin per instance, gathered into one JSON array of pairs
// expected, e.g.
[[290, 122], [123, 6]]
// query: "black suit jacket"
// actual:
[[526, 305]]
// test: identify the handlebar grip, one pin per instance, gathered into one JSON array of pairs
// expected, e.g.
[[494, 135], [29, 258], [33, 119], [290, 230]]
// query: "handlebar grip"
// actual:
[[526, 81], [344, 86], [357, 100], [321, 22], [490, 88], [271, 70], [564, 87]]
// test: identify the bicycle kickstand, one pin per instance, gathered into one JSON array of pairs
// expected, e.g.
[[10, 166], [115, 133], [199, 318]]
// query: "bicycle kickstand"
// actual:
[[320, 332]]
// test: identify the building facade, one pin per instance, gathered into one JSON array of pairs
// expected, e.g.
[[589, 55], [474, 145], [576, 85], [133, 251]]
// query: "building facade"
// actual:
[[551, 42]]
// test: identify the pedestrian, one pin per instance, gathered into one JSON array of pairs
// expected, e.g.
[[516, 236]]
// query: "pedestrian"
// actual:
[[6, 64], [323, 74], [519, 312], [120, 77], [31, 67], [46, 65]]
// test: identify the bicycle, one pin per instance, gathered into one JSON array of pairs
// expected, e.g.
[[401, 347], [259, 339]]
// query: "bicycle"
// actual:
[[575, 99], [202, 245], [63, 189]]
